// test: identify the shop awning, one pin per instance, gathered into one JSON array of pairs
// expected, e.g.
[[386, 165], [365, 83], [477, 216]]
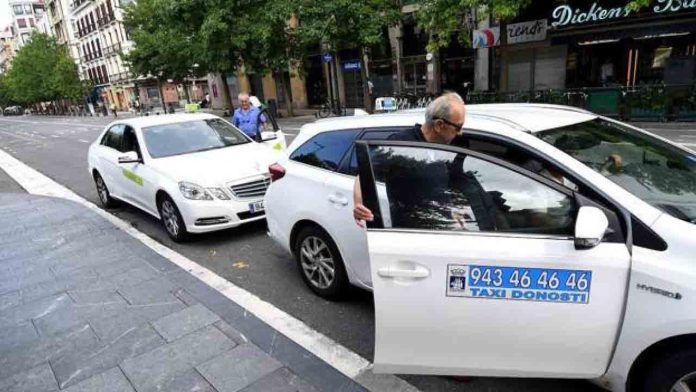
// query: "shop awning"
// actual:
[[616, 33]]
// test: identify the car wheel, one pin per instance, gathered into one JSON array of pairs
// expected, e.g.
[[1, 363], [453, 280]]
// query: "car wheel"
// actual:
[[103, 192], [320, 263], [171, 220], [675, 372]]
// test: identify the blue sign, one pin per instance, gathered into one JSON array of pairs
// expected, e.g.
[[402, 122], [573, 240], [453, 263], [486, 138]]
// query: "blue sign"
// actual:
[[351, 65], [518, 283], [326, 58]]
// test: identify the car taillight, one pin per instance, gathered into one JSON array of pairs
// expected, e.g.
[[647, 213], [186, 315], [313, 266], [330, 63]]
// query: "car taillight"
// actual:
[[277, 172]]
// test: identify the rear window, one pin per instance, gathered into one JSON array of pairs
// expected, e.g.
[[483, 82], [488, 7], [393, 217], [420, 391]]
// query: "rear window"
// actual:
[[325, 150]]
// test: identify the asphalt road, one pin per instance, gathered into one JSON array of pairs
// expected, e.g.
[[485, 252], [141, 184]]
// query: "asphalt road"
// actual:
[[57, 147]]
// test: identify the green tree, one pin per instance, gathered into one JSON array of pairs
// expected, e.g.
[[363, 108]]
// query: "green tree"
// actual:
[[346, 24], [42, 70], [166, 39]]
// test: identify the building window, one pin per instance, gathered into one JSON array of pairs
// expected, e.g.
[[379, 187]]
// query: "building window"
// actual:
[[17, 10], [27, 8], [31, 22], [21, 22]]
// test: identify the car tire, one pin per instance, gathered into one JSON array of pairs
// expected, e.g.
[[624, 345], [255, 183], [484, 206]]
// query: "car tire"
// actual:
[[670, 370], [171, 219], [103, 192], [320, 263]]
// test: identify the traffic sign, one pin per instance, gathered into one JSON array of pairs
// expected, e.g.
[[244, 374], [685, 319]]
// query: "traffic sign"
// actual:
[[326, 58]]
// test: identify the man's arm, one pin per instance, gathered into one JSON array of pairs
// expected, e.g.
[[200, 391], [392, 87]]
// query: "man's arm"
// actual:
[[360, 212]]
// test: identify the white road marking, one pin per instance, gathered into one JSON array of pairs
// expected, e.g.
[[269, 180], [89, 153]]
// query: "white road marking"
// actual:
[[83, 140], [53, 123], [341, 358]]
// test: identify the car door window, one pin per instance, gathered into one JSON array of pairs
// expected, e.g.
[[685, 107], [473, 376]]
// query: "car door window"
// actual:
[[130, 141], [114, 137], [369, 134], [325, 150], [432, 189]]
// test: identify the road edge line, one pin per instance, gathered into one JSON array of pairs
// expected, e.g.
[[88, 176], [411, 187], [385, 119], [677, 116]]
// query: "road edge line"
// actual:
[[336, 355]]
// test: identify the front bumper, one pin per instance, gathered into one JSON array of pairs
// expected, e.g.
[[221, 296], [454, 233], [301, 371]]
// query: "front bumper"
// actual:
[[203, 216]]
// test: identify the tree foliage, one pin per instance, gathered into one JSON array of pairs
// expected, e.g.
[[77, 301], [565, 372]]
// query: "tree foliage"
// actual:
[[166, 38], [42, 70]]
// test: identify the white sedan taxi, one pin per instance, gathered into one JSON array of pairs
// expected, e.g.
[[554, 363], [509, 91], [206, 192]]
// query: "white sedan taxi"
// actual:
[[195, 172], [556, 243]]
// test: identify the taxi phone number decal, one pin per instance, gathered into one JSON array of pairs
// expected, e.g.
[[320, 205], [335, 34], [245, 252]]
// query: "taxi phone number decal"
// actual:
[[524, 284]]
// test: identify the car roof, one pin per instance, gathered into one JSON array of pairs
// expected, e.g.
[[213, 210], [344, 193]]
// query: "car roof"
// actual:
[[523, 117], [149, 121]]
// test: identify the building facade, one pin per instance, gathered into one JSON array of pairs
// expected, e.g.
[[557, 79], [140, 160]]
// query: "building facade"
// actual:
[[99, 38], [25, 14], [7, 48]]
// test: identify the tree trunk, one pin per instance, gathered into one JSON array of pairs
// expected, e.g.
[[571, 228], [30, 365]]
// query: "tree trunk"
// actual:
[[367, 99], [186, 92], [286, 93], [227, 104], [159, 88]]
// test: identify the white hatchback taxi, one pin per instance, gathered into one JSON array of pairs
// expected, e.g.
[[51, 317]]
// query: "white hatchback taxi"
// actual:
[[555, 243], [195, 172]]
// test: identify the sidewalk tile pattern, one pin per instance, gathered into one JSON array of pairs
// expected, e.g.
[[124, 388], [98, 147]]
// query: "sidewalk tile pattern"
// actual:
[[85, 307]]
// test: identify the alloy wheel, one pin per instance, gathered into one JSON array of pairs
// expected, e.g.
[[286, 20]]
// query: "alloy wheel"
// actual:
[[102, 190], [317, 262], [685, 384], [170, 218]]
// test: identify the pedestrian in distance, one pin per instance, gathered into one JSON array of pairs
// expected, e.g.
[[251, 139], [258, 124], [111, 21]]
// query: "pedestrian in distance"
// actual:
[[170, 108], [113, 109], [248, 118], [444, 119]]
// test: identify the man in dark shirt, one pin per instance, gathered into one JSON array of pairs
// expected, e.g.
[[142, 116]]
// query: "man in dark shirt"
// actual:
[[444, 119]]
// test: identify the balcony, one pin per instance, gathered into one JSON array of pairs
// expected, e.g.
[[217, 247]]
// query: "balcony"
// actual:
[[91, 56], [106, 19], [119, 77], [112, 49], [77, 3]]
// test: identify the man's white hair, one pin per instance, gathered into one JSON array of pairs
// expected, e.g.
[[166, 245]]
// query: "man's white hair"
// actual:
[[242, 96], [440, 107]]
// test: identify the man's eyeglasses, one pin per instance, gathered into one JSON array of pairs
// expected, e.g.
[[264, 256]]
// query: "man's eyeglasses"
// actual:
[[450, 123]]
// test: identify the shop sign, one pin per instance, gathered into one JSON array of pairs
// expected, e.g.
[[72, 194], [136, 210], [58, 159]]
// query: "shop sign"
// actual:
[[565, 15], [326, 58], [351, 65], [486, 38], [518, 33]]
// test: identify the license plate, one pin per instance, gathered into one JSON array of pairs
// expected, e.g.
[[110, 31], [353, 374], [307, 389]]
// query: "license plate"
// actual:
[[256, 206]]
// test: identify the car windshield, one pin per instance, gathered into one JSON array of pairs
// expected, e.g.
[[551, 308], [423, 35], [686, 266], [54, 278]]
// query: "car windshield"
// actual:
[[655, 171], [191, 136]]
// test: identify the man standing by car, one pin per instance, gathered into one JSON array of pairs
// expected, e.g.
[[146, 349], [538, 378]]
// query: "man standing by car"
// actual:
[[444, 119], [248, 118]]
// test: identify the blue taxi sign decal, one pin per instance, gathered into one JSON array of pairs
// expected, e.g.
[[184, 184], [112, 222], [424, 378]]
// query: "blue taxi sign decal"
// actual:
[[518, 283]]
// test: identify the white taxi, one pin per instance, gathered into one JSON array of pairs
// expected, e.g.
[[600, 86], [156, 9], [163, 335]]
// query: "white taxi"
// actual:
[[556, 243], [195, 172]]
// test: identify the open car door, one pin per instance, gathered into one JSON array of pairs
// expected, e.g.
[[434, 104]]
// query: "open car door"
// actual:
[[480, 267], [271, 134]]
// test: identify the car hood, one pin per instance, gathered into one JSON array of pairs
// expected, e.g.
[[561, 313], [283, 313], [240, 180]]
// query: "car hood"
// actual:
[[217, 167]]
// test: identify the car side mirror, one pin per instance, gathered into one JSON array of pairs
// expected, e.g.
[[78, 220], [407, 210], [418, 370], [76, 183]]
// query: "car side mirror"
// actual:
[[590, 227], [129, 157]]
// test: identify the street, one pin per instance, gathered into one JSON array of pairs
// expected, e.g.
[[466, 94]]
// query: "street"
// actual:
[[57, 147]]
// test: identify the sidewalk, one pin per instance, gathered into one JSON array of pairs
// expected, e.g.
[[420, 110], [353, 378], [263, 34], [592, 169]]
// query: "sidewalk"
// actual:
[[86, 307]]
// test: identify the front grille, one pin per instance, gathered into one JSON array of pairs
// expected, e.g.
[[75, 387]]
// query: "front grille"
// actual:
[[251, 190], [249, 215]]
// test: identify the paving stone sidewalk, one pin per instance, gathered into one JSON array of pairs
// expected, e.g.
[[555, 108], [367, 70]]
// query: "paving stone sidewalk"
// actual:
[[86, 307]]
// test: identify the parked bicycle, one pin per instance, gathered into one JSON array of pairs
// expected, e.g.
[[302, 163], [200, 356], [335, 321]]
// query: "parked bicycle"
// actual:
[[330, 108]]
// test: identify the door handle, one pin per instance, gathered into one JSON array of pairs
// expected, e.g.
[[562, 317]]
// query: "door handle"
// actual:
[[417, 272], [339, 200]]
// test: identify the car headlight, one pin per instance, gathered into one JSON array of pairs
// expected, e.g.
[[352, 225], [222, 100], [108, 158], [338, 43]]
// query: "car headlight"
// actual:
[[219, 193], [193, 191]]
